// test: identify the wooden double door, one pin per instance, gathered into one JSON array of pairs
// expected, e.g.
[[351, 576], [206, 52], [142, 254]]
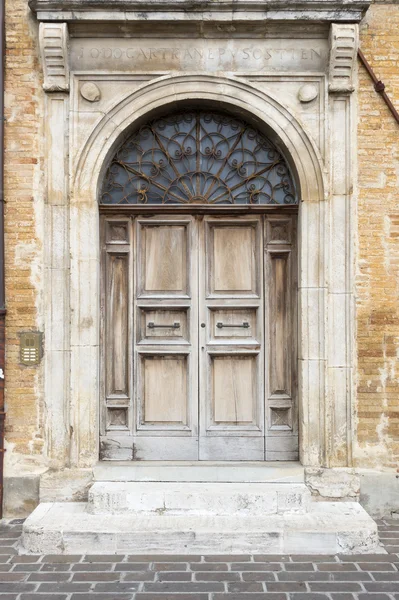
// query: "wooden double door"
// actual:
[[199, 337]]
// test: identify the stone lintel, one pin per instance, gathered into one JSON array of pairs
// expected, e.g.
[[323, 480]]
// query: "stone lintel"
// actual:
[[187, 10], [53, 40]]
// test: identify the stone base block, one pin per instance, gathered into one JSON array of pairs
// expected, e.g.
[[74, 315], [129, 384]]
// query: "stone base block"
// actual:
[[65, 485], [333, 484], [378, 504], [21, 495], [195, 498], [58, 528]]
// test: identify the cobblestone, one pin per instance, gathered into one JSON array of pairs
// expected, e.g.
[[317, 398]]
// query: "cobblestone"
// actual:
[[184, 577]]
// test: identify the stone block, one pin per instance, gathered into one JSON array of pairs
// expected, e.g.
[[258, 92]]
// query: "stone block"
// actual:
[[376, 503], [67, 485], [21, 495], [173, 498], [337, 483]]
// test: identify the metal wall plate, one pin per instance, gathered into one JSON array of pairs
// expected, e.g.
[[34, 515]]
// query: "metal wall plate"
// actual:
[[30, 347]]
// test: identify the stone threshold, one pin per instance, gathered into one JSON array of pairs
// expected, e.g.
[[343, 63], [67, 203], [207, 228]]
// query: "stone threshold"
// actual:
[[200, 471]]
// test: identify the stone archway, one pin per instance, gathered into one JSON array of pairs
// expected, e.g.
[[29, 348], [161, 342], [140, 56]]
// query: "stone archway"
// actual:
[[167, 92]]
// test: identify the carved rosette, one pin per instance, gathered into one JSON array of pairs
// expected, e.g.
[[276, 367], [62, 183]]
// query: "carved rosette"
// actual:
[[53, 39], [344, 39]]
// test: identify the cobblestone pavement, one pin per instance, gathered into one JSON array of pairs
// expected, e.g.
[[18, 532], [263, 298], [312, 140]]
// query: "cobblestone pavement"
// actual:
[[295, 577]]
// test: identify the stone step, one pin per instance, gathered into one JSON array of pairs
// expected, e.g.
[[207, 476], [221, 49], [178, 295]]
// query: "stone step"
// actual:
[[328, 527], [193, 498], [251, 472]]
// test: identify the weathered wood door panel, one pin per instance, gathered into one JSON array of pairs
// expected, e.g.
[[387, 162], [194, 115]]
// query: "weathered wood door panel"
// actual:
[[116, 326], [231, 339], [281, 336], [161, 413], [166, 347], [163, 259], [199, 338]]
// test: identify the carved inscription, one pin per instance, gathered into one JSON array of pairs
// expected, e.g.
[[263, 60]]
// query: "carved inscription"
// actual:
[[210, 55], [167, 54]]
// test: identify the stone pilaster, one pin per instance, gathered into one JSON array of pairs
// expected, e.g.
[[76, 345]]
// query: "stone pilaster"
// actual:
[[53, 48], [341, 217]]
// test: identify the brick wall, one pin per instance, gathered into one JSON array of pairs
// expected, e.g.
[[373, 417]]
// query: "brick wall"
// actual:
[[23, 222], [378, 251]]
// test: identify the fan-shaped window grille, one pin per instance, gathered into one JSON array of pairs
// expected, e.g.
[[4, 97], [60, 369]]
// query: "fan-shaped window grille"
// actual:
[[198, 157]]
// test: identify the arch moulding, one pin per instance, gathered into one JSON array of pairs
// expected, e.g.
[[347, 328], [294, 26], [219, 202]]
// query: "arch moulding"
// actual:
[[170, 92]]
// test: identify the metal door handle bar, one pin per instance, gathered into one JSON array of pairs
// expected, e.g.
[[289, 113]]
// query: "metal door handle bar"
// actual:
[[152, 325], [221, 325]]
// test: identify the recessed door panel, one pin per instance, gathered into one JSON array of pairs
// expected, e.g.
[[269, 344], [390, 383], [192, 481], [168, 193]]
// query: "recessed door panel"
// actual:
[[164, 259], [156, 325], [235, 325], [233, 253], [233, 391], [233, 268], [164, 390], [118, 319]]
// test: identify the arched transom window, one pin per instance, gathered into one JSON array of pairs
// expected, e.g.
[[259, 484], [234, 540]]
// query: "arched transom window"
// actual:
[[198, 157]]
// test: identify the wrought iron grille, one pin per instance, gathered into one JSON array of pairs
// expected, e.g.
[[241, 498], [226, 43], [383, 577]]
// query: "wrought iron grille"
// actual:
[[198, 158]]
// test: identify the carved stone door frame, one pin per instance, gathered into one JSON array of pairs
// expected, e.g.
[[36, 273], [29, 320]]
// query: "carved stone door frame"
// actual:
[[325, 247]]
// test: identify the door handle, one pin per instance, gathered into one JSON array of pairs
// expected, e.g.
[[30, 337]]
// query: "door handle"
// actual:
[[220, 325], [152, 325]]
